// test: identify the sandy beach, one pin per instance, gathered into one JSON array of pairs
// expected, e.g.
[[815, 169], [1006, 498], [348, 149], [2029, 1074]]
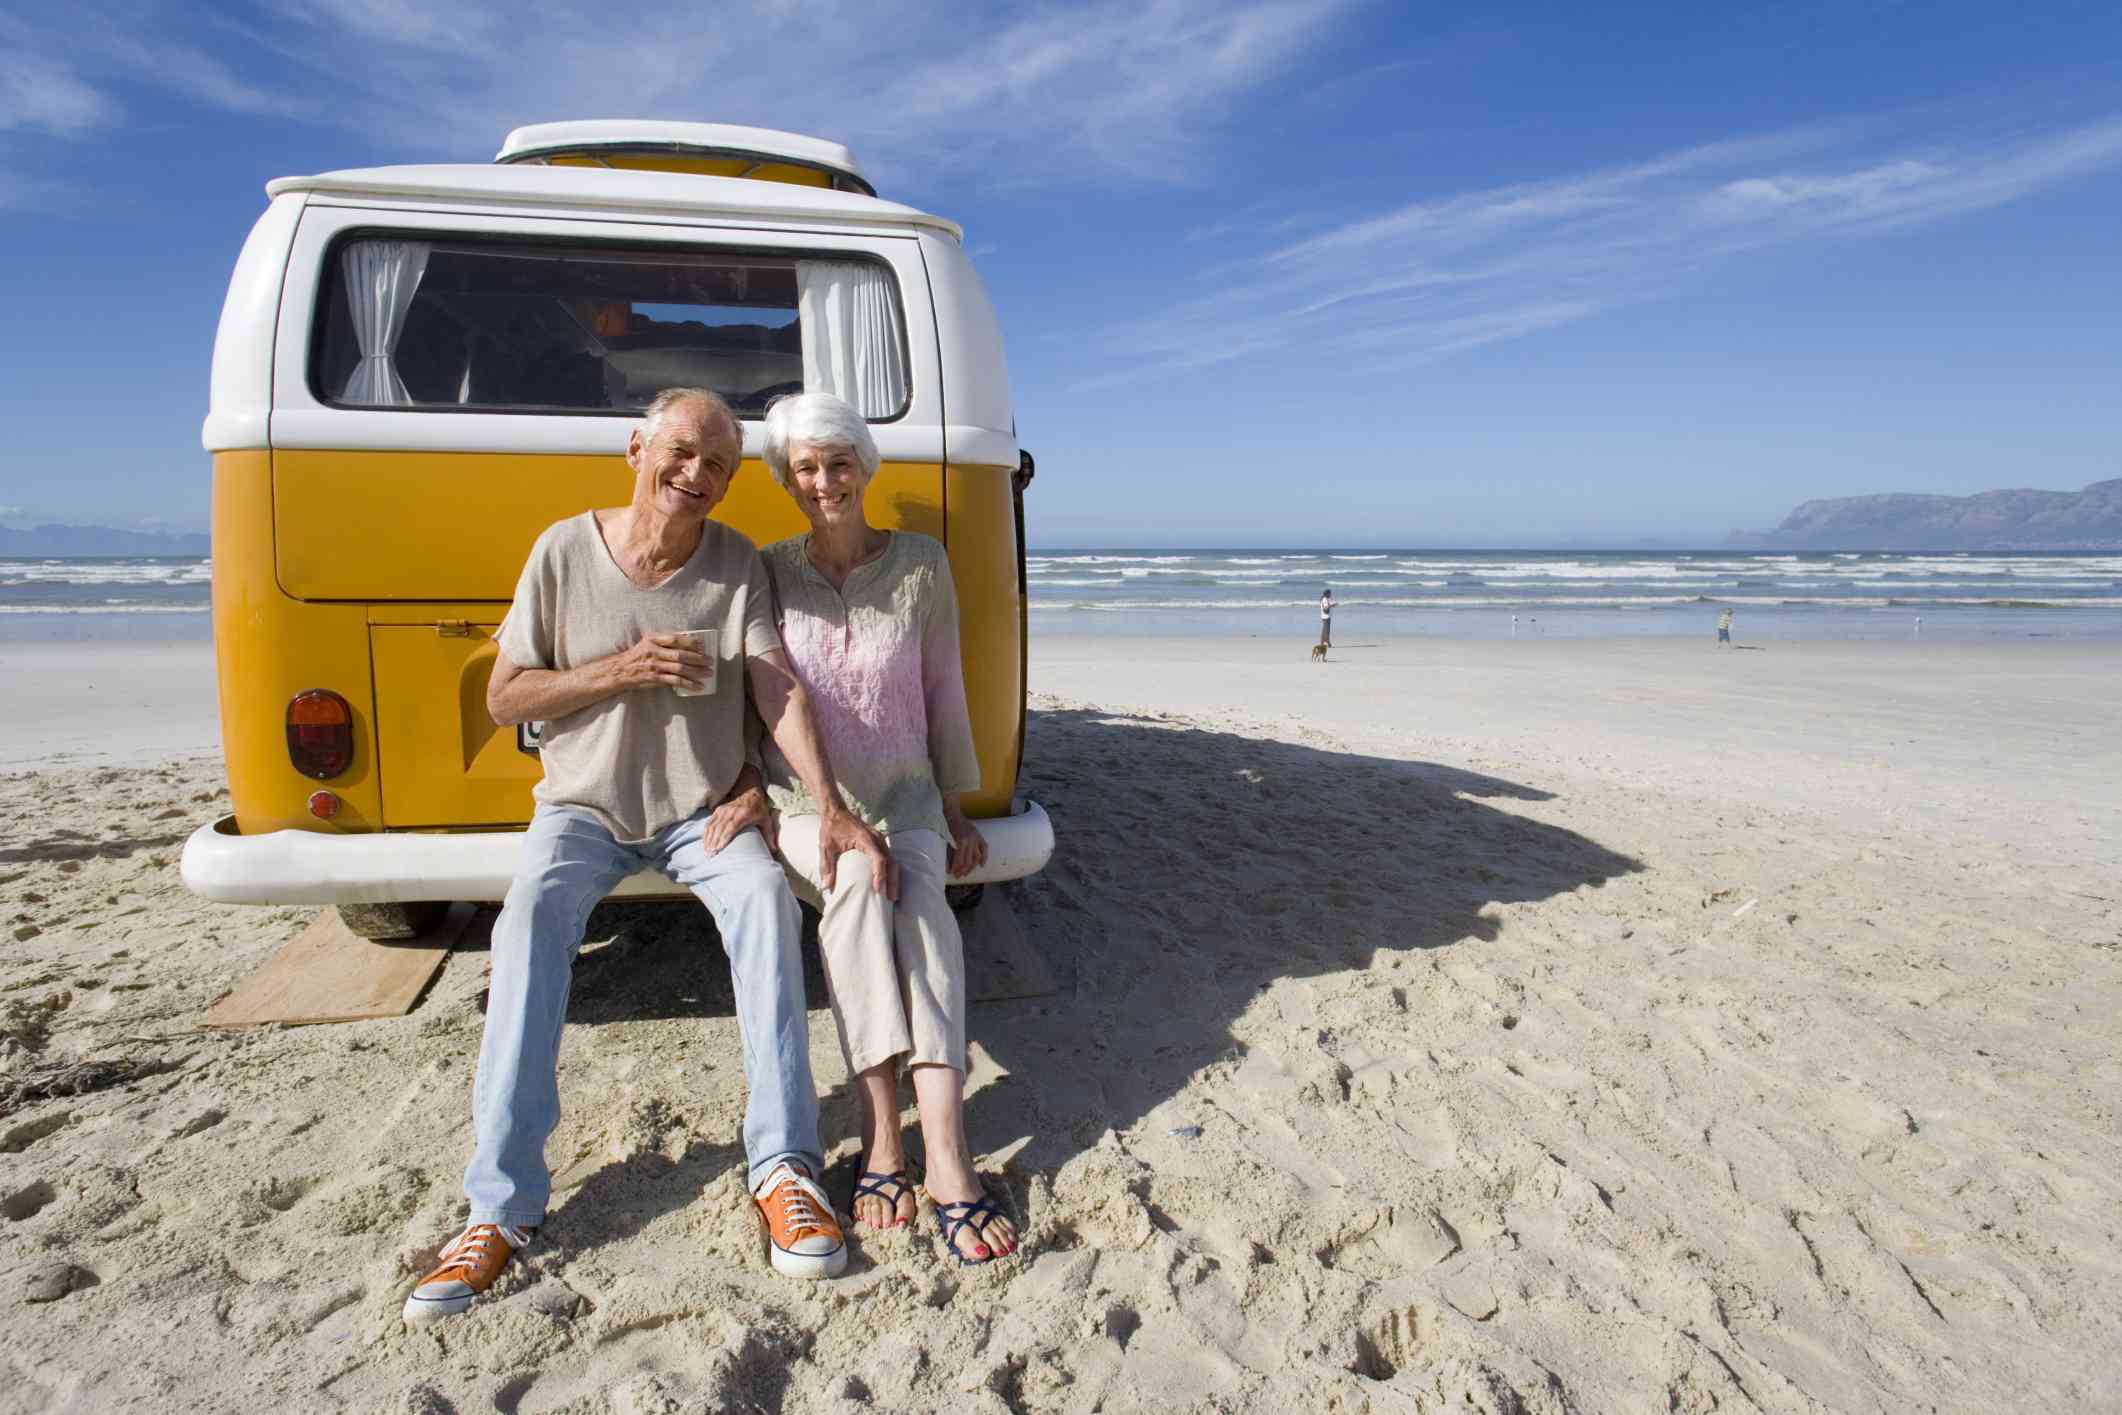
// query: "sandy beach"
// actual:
[[130, 704], [1546, 1026]]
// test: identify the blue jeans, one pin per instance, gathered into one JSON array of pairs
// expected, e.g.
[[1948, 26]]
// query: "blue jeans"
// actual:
[[570, 861]]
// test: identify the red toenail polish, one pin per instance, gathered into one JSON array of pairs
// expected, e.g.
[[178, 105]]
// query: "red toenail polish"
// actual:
[[981, 1252]]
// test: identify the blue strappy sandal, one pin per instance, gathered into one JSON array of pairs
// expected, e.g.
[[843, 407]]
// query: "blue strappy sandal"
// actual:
[[975, 1214], [891, 1188]]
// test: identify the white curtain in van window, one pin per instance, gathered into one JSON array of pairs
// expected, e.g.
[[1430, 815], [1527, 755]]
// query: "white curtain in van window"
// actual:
[[850, 326], [381, 279]]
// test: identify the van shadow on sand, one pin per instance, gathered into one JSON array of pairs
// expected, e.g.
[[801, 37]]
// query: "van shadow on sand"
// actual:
[[1196, 868], [1193, 869]]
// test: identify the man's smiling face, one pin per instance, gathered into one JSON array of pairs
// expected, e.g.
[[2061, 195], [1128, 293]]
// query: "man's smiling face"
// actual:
[[683, 468]]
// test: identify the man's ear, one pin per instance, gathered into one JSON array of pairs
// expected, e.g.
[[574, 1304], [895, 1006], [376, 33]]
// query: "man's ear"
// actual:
[[634, 449]]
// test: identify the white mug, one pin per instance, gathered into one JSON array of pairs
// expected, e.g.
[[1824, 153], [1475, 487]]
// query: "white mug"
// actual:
[[709, 643]]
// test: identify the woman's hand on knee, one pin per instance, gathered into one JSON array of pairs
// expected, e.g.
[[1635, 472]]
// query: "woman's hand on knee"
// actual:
[[840, 833]]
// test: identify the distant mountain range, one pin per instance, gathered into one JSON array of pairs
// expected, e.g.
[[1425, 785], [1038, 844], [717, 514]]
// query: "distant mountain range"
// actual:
[[1991, 520], [98, 540]]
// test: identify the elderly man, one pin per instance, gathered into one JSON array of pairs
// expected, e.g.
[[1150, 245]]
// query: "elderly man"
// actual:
[[645, 764]]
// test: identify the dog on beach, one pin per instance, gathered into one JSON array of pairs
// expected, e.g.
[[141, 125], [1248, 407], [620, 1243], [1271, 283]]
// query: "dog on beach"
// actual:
[[1318, 653]]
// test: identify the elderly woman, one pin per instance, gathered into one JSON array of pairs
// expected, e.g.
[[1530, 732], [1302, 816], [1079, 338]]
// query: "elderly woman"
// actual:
[[870, 621]]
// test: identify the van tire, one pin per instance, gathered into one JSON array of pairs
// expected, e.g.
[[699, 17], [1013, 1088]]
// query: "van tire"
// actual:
[[387, 922]]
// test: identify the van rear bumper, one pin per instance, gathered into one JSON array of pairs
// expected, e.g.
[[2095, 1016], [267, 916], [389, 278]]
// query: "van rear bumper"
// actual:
[[310, 867]]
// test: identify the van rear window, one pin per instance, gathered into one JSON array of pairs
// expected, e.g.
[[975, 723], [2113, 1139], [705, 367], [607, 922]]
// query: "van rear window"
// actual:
[[498, 327]]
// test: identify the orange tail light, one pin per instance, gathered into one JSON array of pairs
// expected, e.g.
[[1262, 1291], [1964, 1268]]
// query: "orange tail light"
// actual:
[[320, 733]]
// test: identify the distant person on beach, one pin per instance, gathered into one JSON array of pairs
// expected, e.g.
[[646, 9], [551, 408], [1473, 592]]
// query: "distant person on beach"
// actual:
[[870, 618], [1724, 627], [633, 637], [1326, 617]]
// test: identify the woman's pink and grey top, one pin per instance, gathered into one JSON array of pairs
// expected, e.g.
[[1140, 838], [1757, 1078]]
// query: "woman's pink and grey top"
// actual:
[[879, 659]]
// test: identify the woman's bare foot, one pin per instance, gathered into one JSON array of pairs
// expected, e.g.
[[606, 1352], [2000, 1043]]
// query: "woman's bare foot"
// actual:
[[884, 1195], [887, 1204], [951, 1178], [956, 1182]]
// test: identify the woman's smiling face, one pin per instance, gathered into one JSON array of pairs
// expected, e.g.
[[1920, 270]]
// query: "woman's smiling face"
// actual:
[[827, 480]]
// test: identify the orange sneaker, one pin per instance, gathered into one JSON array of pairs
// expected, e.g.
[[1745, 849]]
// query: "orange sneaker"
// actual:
[[802, 1232], [466, 1268]]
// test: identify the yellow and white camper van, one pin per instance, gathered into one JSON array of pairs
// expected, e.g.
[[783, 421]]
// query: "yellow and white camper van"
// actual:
[[418, 369]]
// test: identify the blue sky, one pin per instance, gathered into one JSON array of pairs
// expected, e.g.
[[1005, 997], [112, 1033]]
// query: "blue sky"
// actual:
[[1273, 272]]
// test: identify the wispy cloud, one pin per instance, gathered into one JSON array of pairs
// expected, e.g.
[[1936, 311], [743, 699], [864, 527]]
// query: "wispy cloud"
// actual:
[[64, 74], [1109, 88], [1432, 277], [48, 95], [1116, 86], [459, 30], [191, 71], [64, 78]]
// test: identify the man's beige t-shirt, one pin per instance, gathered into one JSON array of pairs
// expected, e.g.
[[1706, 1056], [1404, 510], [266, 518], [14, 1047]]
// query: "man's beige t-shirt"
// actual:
[[646, 758]]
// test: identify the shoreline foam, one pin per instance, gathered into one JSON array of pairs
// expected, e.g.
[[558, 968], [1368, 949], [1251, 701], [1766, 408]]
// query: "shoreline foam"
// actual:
[[1459, 594]]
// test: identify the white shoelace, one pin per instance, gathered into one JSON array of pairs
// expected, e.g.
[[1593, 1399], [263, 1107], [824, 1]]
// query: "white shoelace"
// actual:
[[802, 1203], [469, 1247]]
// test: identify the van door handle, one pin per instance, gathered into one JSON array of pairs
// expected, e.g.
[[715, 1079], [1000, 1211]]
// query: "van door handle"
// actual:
[[454, 628]]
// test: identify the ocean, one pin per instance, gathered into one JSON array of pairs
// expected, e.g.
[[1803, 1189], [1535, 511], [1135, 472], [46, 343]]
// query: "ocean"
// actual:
[[1456, 593], [105, 597], [1579, 594]]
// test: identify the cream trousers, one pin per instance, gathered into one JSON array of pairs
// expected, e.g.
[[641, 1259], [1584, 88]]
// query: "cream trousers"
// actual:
[[895, 972]]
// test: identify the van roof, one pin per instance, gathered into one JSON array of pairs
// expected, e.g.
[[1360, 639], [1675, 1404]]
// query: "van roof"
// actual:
[[542, 141], [613, 191]]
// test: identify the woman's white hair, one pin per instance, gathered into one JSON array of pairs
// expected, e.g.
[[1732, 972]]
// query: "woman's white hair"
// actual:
[[818, 418]]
